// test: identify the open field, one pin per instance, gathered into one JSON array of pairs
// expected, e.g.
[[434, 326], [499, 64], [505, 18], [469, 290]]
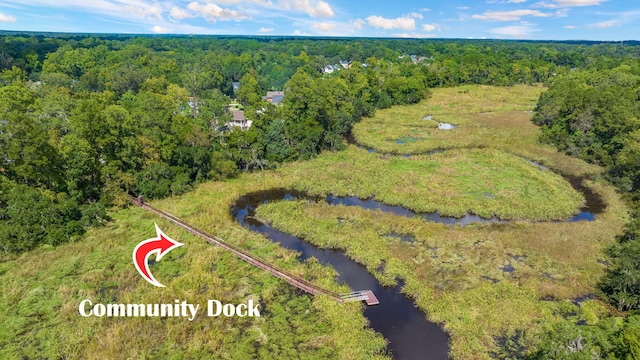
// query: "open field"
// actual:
[[454, 274]]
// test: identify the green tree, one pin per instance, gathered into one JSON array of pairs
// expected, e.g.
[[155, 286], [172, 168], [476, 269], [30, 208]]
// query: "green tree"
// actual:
[[622, 283], [250, 93], [278, 149], [82, 168], [25, 153]]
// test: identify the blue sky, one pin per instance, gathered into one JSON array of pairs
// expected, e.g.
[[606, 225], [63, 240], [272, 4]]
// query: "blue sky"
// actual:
[[504, 19]]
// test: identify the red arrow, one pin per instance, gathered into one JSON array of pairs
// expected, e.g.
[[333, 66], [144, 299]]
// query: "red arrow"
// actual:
[[160, 245]]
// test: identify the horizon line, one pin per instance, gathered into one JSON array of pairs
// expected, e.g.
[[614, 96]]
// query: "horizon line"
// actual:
[[311, 37]]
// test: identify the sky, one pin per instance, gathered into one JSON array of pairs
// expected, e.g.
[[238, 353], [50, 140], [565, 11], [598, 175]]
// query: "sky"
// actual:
[[614, 20]]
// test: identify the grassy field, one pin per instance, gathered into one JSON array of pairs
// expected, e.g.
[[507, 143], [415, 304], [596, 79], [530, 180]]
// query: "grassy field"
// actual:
[[454, 274], [40, 292], [486, 117]]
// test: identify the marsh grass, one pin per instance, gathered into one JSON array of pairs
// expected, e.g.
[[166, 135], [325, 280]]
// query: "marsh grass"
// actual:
[[494, 117], [40, 292], [443, 268], [485, 182]]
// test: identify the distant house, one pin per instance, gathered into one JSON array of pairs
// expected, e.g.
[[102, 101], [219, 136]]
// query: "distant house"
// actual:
[[274, 97], [329, 69], [34, 85], [236, 86], [344, 64], [191, 101], [239, 120]]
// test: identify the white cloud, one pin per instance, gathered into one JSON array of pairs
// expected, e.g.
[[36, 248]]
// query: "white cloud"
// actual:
[[266, 30], [424, 10], [509, 15], [402, 23], [160, 30], [463, 8], [154, 11], [6, 18], [298, 32], [323, 26], [430, 27], [180, 14], [140, 15], [135, 10], [517, 31], [212, 12], [357, 24], [320, 9], [415, 15], [414, 35], [569, 27], [606, 24], [568, 3]]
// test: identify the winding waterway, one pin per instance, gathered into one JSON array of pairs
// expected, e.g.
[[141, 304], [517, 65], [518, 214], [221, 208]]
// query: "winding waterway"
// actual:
[[397, 318]]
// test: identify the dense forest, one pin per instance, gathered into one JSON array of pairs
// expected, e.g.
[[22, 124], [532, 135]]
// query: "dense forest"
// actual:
[[86, 121]]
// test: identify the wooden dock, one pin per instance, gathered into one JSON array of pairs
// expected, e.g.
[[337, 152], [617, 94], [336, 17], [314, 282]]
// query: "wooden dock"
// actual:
[[363, 295], [295, 280]]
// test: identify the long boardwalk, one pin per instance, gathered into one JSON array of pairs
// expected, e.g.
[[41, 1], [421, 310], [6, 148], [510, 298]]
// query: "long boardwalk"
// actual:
[[292, 279]]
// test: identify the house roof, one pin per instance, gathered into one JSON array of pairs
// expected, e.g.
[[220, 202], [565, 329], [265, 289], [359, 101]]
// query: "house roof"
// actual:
[[276, 99], [238, 115]]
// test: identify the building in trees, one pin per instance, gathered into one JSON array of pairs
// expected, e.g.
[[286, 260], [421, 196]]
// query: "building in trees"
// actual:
[[239, 120], [274, 97]]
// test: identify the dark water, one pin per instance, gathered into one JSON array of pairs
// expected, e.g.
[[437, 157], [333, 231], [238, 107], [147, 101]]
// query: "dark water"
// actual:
[[592, 206], [508, 268], [373, 204], [410, 335]]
